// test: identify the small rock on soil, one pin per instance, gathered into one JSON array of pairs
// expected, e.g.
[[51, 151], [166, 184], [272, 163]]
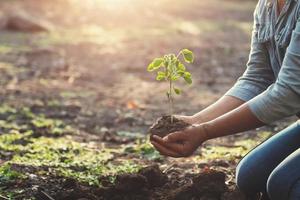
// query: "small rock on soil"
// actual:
[[25, 23]]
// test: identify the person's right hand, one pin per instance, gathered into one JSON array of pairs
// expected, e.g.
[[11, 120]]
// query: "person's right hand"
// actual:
[[181, 143]]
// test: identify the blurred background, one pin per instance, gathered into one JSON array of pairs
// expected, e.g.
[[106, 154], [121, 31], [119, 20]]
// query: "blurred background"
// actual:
[[76, 100], [98, 50]]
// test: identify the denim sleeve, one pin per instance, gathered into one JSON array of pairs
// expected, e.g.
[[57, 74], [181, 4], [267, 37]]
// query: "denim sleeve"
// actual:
[[258, 75], [282, 99]]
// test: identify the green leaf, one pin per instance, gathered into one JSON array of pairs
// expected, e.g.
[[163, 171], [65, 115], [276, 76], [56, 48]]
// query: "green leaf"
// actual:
[[155, 64], [187, 74], [177, 91], [188, 79], [181, 67], [188, 55], [160, 76], [150, 67], [161, 73], [172, 56], [181, 73], [175, 78], [166, 63]]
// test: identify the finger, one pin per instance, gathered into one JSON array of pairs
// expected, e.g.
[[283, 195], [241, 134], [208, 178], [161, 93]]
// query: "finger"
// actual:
[[174, 146], [177, 147], [157, 139], [181, 117], [178, 136], [164, 151], [182, 149]]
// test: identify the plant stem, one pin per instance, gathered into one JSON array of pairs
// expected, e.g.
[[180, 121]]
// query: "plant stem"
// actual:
[[178, 54], [171, 101]]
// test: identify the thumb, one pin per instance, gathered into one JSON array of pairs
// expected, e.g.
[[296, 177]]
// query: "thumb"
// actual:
[[182, 117], [179, 116], [175, 137], [185, 118]]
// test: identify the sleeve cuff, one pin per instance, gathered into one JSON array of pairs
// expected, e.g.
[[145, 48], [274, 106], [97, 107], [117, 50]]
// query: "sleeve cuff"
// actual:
[[274, 104], [261, 110], [244, 91]]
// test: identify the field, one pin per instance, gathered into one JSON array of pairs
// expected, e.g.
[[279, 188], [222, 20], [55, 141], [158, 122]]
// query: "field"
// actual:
[[76, 100]]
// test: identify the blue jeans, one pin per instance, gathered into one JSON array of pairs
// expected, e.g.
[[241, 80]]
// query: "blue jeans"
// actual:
[[273, 167]]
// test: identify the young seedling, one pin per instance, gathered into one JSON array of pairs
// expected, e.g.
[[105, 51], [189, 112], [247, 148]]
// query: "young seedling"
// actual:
[[170, 68]]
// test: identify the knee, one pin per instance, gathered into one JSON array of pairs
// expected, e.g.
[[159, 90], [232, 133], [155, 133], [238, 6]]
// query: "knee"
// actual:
[[280, 187], [241, 176], [245, 176], [295, 190], [277, 186]]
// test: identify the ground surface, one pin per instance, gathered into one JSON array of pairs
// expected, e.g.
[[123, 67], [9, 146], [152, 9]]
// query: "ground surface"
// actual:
[[76, 102]]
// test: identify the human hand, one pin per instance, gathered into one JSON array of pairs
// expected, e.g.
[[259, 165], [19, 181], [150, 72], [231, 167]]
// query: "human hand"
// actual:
[[180, 143], [188, 119]]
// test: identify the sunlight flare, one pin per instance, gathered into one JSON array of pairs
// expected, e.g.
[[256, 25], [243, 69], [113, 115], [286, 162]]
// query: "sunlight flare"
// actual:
[[114, 3]]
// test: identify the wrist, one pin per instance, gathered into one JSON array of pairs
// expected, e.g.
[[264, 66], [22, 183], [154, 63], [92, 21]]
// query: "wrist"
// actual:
[[205, 131], [197, 119]]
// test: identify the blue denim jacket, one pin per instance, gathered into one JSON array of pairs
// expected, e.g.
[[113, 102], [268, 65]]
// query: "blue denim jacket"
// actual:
[[271, 82]]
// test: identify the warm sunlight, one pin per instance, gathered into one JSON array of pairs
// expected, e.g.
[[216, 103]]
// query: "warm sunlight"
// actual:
[[104, 4], [113, 4], [98, 98]]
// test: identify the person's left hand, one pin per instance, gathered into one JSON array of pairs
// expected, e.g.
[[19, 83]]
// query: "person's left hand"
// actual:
[[181, 143]]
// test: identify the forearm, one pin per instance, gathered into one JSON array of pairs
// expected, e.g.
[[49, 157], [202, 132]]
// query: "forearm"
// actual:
[[236, 121], [219, 108]]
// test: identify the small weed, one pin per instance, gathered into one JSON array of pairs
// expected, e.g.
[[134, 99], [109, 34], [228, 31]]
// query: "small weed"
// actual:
[[238, 149], [5, 109], [224, 153], [8, 142], [7, 177], [48, 127], [7, 174], [24, 119], [145, 149]]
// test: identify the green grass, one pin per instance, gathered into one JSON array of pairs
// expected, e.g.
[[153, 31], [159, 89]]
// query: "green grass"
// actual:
[[38, 141], [144, 149], [73, 159], [24, 120], [8, 142], [6, 176], [238, 149], [50, 126]]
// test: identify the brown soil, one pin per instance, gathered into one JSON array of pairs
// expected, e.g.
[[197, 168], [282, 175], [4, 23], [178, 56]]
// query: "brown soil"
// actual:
[[149, 183], [163, 126]]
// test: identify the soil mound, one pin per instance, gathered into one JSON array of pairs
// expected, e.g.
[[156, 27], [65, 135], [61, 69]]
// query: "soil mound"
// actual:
[[163, 126]]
